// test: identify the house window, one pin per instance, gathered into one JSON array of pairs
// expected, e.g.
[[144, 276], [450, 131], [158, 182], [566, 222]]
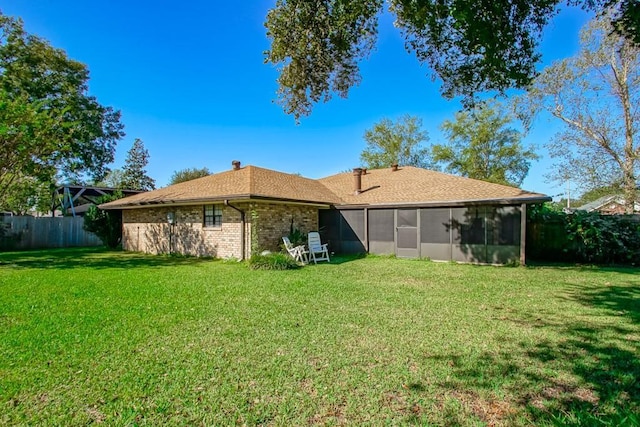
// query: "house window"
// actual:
[[212, 216]]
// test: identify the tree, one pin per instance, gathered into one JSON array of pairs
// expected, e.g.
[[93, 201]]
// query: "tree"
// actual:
[[27, 145], [188, 174], [113, 179], [472, 46], [28, 194], [482, 147], [56, 125], [134, 176], [399, 143], [595, 94], [107, 225]]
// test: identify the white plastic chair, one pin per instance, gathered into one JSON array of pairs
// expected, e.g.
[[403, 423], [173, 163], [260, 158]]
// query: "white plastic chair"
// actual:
[[318, 250], [299, 253]]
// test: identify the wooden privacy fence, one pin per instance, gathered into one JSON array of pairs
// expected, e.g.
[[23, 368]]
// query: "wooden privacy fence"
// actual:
[[27, 232]]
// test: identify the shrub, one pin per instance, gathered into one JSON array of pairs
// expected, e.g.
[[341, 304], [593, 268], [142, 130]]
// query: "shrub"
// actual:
[[273, 261], [297, 237], [604, 239], [107, 225], [583, 237]]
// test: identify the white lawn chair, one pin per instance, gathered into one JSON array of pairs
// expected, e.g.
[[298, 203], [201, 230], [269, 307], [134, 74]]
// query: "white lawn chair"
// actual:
[[299, 253], [318, 251]]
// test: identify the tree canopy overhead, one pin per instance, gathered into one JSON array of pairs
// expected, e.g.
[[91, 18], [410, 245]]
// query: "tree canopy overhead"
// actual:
[[472, 46]]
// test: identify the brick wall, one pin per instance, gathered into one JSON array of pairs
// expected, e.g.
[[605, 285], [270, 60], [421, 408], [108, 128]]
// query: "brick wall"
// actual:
[[147, 230], [274, 221]]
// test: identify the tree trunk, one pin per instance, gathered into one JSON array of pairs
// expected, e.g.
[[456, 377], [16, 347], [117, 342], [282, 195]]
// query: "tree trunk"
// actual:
[[629, 183]]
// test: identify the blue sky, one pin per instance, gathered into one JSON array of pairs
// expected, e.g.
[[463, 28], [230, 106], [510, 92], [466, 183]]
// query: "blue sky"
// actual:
[[191, 82]]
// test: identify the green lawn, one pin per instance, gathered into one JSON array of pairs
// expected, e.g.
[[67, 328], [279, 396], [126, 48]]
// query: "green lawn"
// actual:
[[128, 339]]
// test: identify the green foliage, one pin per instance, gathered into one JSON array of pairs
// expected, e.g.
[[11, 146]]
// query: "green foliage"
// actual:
[[53, 125], [472, 47], [272, 261], [584, 237], [547, 211], [604, 239], [188, 174], [627, 20], [25, 129], [482, 147], [106, 224], [396, 143], [316, 46], [26, 194], [297, 237], [113, 179], [134, 175], [255, 232]]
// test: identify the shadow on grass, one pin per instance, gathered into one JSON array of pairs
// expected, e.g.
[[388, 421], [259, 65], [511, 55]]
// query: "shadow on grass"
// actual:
[[588, 374], [341, 259], [622, 269], [618, 300], [96, 258]]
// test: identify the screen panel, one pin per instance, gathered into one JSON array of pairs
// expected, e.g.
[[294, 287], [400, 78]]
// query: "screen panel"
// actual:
[[435, 226], [407, 217], [381, 225], [352, 225]]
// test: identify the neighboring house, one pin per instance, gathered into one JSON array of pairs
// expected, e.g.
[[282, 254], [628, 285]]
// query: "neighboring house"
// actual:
[[608, 205], [74, 200], [406, 211]]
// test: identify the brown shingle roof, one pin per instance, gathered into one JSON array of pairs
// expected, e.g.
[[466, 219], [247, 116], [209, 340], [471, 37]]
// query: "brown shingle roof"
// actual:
[[247, 182], [409, 185]]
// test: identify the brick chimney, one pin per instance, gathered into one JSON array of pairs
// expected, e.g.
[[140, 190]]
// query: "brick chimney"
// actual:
[[236, 165], [394, 167], [357, 181]]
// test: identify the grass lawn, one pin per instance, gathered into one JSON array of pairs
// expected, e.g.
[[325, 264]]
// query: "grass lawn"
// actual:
[[128, 339]]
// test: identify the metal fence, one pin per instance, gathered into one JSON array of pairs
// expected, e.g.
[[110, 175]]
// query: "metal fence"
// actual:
[[27, 232]]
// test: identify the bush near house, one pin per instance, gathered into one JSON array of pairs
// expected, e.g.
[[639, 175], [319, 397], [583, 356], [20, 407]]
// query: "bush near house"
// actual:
[[583, 237], [272, 261], [107, 225]]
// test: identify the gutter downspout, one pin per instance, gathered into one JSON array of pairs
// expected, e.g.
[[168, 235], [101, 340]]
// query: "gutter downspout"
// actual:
[[242, 226]]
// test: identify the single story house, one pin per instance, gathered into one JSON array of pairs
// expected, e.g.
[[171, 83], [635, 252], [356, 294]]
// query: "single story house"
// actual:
[[404, 211], [609, 205]]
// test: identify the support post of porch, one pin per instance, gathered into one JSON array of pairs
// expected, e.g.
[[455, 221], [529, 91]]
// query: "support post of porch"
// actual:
[[523, 233]]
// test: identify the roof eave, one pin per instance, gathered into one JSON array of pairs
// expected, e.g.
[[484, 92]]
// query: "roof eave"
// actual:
[[201, 200], [448, 203]]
